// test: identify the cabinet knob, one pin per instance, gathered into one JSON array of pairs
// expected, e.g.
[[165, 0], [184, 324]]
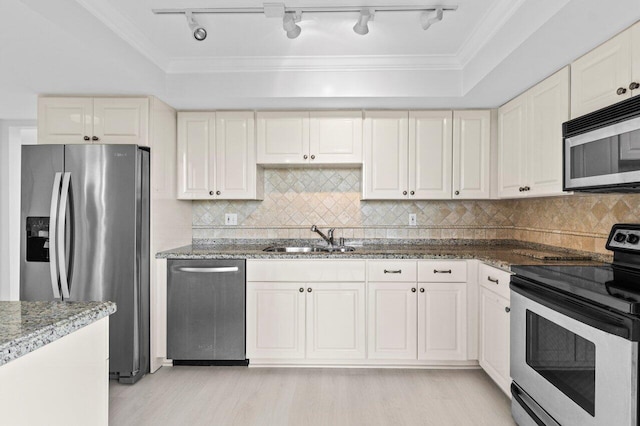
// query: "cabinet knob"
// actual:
[[413, 193], [413, 290], [422, 290], [404, 192], [305, 156], [95, 138], [634, 85], [301, 290], [313, 157], [457, 193], [210, 192], [621, 91], [309, 290], [218, 192], [507, 309], [87, 138], [526, 188], [521, 189]]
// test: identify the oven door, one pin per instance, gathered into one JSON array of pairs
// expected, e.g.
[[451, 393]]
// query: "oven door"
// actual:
[[570, 364], [607, 156]]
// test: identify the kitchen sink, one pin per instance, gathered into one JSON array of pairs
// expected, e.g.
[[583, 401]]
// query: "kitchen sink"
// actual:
[[309, 249]]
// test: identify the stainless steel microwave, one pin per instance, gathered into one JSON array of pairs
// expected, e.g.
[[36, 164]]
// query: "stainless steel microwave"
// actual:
[[602, 149]]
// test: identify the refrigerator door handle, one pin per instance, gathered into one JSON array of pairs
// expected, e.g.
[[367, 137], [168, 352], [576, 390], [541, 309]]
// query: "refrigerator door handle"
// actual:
[[62, 258], [53, 220]]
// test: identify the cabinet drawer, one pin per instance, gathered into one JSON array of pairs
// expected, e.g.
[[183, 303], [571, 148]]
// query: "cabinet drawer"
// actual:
[[392, 270], [494, 279], [448, 271], [305, 270]]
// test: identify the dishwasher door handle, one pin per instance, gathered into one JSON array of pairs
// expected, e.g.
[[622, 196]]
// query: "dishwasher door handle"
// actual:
[[208, 270]]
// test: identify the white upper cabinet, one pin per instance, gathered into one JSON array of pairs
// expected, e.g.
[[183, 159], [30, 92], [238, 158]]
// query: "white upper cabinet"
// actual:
[[302, 137], [430, 154], [216, 156], [407, 155], [530, 139], [471, 154], [93, 120], [605, 75], [386, 148], [335, 137]]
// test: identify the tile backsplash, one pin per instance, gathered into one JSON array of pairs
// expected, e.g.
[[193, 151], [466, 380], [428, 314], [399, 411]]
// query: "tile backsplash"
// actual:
[[296, 198]]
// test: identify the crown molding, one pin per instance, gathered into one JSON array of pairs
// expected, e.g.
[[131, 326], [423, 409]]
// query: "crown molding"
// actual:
[[188, 65]]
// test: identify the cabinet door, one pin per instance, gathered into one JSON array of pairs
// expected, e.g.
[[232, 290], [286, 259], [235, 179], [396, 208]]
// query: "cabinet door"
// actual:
[[512, 139], [597, 76], [283, 137], [471, 154], [442, 321], [336, 137], [335, 321], [548, 108], [275, 320], [121, 120], [386, 150], [494, 337], [235, 155], [392, 320], [65, 120], [635, 57], [196, 150], [430, 154]]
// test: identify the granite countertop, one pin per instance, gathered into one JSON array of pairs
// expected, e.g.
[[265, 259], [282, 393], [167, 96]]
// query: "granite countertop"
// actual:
[[27, 326], [499, 253]]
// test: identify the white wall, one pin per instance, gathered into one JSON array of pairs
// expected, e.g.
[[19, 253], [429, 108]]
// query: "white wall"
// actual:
[[13, 134]]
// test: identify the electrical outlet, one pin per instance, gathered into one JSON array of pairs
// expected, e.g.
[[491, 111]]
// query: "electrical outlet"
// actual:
[[413, 221], [230, 219]]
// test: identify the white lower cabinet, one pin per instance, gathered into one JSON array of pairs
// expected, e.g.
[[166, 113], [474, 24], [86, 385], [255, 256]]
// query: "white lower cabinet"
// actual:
[[442, 321], [494, 325]]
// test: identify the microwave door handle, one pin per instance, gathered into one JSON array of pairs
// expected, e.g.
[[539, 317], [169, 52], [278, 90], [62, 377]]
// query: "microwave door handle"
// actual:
[[53, 221], [62, 256]]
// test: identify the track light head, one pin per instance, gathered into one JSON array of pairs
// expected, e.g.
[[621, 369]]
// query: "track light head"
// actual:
[[428, 19], [289, 24], [361, 27], [198, 31]]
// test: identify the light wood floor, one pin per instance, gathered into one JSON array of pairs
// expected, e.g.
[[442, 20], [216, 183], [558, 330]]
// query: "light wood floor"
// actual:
[[301, 397]]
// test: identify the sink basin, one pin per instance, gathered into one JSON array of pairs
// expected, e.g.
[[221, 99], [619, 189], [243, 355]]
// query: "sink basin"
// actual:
[[342, 249]]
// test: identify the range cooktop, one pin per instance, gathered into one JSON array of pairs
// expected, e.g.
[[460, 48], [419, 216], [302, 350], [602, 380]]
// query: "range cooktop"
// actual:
[[614, 286]]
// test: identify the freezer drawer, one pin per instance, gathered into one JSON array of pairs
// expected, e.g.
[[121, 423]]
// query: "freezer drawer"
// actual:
[[206, 310]]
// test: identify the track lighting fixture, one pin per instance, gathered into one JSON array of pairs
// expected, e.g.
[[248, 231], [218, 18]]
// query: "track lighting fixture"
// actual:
[[428, 19], [289, 24], [290, 15], [198, 31], [361, 27]]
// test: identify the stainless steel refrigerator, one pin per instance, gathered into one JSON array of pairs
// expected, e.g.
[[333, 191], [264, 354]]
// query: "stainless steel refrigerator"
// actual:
[[85, 237]]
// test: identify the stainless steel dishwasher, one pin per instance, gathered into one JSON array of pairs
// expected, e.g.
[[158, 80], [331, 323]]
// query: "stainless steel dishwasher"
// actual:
[[206, 312]]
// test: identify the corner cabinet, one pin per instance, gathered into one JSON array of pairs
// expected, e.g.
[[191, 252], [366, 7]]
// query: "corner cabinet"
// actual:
[[495, 325], [608, 74], [407, 155], [216, 156], [530, 139], [316, 137], [68, 120]]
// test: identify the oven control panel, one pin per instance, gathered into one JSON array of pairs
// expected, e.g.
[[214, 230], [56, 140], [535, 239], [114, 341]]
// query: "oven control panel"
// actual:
[[624, 237]]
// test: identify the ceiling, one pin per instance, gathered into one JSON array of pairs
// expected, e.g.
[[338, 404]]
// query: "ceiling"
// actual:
[[481, 55]]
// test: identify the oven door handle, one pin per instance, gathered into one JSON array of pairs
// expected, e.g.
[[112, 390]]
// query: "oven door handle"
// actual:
[[587, 313]]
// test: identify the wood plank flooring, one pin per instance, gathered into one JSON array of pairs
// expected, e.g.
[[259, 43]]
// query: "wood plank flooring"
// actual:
[[305, 396]]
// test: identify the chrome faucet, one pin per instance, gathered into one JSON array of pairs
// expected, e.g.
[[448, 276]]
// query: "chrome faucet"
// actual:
[[328, 239]]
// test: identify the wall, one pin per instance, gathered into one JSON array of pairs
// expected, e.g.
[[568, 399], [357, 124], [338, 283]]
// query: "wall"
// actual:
[[297, 198], [13, 134]]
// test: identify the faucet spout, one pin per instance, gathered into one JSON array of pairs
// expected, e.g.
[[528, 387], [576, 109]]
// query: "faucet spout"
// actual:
[[328, 239]]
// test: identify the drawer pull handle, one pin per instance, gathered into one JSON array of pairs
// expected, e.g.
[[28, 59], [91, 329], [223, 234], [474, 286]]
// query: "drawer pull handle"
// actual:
[[442, 271], [388, 271], [209, 270], [493, 280]]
